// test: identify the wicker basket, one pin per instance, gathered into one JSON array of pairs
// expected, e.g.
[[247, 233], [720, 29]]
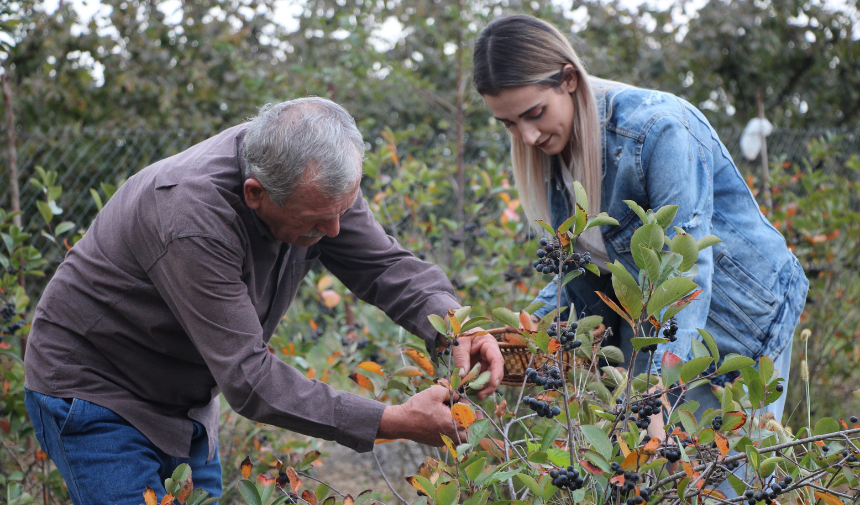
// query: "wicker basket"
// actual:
[[518, 357]]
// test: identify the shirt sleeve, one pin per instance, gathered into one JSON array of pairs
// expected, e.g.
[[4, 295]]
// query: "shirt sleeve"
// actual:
[[200, 280], [549, 297], [379, 271], [677, 172]]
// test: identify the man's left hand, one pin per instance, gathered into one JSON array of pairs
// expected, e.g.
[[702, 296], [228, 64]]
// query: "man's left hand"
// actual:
[[482, 349]]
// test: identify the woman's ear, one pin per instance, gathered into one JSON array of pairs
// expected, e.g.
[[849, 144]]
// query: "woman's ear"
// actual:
[[570, 81]]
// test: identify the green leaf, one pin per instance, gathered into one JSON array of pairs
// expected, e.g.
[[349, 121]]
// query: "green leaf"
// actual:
[[591, 267], [581, 220], [626, 289], [478, 431], [649, 236], [532, 307], [506, 316], [669, 292], [612, 354], [479, 382], [726, 403], [249, 491], [182, 473], [598, 440], [476, 322], [669, 262], [565, 226], [558, 457], [45, 210], [670, 368], [549, 436], [64, 227], [665, 215], [601, 220], [737, 484], [685, 245], [699, 349], [438, 323], [447, 494], [479, 498], [711, 343], [652, 263], [640, 342], [825, 426], [570, 276], [462, 313], [530, 483], [580, 195], [541, 340], [736, 362], [765, 368], [769, 465], [97, 199], [638, 210], [707, 241], [689, 421], [546, 227], [694, 367]]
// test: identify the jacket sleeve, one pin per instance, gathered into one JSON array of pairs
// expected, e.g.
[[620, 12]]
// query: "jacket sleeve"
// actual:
[[677, 171], [549, 296], [200, 279], [379, 271]]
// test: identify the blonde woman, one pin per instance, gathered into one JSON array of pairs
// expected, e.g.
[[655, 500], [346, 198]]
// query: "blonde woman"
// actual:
[[626, 143]]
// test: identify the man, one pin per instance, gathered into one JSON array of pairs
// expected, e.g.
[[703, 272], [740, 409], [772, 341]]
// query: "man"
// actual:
[[171, 296]]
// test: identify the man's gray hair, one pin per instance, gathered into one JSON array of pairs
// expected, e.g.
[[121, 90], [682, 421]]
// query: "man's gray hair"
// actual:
[[304, 141]]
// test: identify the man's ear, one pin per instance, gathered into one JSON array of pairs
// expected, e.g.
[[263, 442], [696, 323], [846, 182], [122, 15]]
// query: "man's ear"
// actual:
[[254, 193]]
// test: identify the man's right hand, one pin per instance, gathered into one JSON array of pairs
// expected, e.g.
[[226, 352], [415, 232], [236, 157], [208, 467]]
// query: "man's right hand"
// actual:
[[422, 419]]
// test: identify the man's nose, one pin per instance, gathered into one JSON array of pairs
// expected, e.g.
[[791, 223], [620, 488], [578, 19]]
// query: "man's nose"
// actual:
[[331, 227]]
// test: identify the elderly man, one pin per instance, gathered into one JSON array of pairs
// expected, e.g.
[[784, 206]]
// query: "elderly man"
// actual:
[[172, 294]]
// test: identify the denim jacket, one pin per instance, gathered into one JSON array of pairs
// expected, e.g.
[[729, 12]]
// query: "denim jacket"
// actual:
[[660, 150]]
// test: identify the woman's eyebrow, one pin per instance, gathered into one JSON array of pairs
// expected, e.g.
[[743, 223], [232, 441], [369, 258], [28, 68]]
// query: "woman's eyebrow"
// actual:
[[530, 109]]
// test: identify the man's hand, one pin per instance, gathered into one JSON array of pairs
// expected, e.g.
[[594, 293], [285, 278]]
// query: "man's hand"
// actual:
[[423, 418], [481, 349]]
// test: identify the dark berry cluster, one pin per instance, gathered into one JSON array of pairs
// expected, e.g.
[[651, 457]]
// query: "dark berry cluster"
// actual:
[[851, 458], [717, 423], [673, 454], [567, 478], [566, 336], [541, 408], [670, 328], [8, 312], [549, 379], [644, 410], [551, 259], [630, 480], [768, 496]]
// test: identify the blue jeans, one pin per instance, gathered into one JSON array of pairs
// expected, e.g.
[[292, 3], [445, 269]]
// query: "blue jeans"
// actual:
[[104, 459]]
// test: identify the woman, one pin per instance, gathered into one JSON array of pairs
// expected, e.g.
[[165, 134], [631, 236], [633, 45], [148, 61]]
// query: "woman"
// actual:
[[625, 143]]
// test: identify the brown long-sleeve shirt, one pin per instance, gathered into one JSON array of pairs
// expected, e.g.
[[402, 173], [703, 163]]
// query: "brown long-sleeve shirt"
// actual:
[[175, 290]]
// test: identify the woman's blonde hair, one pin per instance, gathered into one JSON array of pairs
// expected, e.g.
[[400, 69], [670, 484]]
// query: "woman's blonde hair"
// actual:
[[521, 50]]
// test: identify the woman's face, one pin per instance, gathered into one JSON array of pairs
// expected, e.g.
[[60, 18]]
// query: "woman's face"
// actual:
[[539, 116]]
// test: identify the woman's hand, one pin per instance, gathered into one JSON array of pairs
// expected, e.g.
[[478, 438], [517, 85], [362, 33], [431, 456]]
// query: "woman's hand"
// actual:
[[481, 348]]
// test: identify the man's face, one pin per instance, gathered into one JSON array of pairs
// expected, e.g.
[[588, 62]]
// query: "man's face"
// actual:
[[304, 219]]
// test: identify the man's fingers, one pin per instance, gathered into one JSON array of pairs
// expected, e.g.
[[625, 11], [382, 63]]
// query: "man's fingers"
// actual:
[[462, 354]]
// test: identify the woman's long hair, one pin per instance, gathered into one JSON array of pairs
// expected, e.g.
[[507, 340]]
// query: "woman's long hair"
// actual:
[[521, 50]]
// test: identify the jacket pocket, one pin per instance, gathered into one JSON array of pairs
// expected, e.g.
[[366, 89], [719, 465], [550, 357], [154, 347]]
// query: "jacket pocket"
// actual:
[[741, 304], [61, 409]]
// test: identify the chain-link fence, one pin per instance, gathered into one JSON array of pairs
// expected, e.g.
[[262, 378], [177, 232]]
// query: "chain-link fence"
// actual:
[[85, 158]]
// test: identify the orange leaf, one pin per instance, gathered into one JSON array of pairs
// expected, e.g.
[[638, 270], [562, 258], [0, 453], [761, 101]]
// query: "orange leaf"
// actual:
[[167, 500], [590, 467], [313, 325], [618, 310], [630, 461], [149, 496], [618, 480], [41, 455], [5, 345], [494, 446], [514, 338], [688, 298], [471, 375], [421, 360], [370, 366], [713, 492], [185, 491], [463, 415], [266, 479], [722, 443], [290, 350], [554, 345], [310, 497], [384, 440], [311, 373], [688, 468], [295, 483], [828, 498], [363, 381], [330, 298], [414, 483], [349, 500], [501, 408], [245, 467], [650, 448], [525, 320]]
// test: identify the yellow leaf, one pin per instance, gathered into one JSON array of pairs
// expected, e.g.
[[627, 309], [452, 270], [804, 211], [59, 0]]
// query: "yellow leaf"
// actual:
[[414, 483], [456, 327], [245, 467], [149, 496], [623, 445], [370, 366], [828, 498], [325, 282], [363, 381], [450, 445], [421, 360], [463, 415]]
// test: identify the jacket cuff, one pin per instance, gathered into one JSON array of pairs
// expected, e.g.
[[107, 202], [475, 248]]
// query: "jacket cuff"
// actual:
[[358, 421]]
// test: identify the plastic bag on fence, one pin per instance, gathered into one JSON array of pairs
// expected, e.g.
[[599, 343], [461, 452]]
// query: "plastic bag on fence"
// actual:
[[751, 137]]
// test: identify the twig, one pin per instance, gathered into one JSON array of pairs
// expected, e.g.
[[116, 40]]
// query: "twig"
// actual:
[[385, 477]]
